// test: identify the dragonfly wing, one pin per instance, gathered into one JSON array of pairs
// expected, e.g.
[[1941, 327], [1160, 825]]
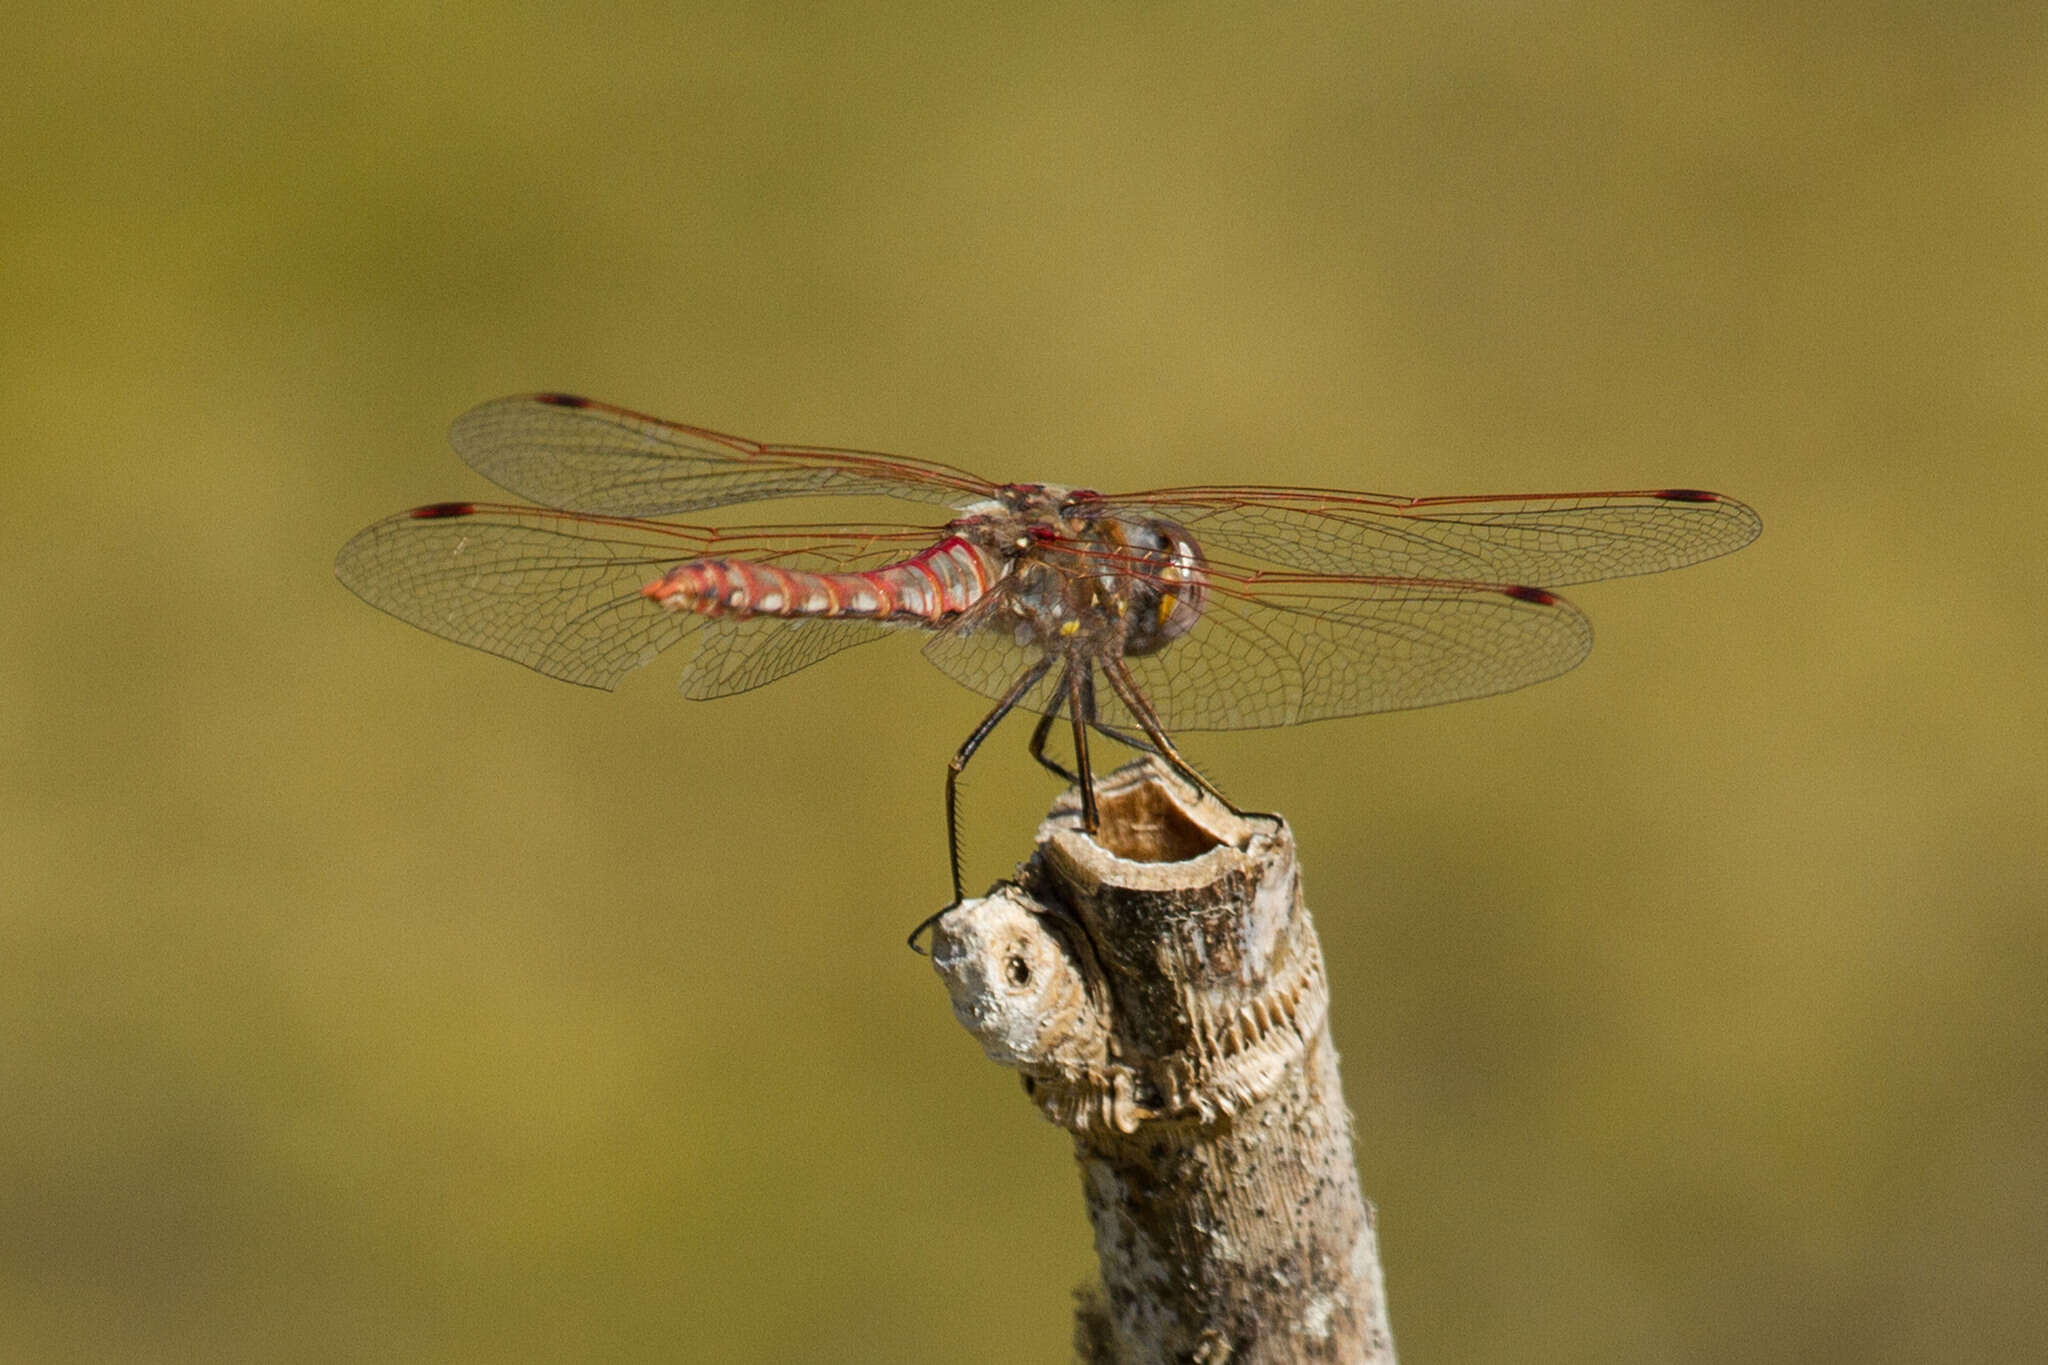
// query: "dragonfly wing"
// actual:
[[585, 456], [1318, 649], [740, 655], [561, 593], [981, 652], [1549, 539], [519, 587], [1311, 651]]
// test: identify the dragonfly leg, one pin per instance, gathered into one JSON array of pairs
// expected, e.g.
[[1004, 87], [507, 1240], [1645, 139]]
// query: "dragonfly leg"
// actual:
[[1031, 678], [1044, 730], [1126, 687], [1127, 739], [1081, 705], [1108, 731]]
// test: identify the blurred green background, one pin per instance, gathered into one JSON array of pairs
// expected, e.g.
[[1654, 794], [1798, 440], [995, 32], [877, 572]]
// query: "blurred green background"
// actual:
[[367, 998]]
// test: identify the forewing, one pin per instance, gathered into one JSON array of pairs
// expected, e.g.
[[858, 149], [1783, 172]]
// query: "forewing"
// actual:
[[561, 593], [584, 456], [1546, 539]]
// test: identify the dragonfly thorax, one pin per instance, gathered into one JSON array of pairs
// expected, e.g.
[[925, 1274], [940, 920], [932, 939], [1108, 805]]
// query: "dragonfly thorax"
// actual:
[[1088, 585]]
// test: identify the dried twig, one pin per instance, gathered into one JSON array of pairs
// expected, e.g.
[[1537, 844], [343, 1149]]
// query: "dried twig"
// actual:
[[1161, 991]]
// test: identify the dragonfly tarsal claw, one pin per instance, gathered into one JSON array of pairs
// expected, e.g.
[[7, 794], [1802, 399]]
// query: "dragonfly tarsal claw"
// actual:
[[926, 925]]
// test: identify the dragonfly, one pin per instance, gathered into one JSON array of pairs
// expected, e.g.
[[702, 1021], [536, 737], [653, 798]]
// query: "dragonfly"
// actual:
[[1136, 616]]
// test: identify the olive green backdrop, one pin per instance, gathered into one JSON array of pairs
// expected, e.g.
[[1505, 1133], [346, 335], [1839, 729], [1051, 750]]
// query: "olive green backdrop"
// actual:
[[367, 998]]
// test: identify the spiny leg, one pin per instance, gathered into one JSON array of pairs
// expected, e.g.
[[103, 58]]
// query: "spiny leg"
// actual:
[[1031, 678], [1104, 728], [1126, 688], [1127, 739], [1081, 705], [1038, 737], [1095, 723], [1023, 685], [1082, 712], [1044, 730]]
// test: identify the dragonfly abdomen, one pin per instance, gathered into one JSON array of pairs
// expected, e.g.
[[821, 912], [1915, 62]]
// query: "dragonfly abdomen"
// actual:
[[933, 586]]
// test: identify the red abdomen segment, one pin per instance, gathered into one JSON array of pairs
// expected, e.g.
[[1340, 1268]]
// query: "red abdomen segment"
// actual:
[[934, 586]]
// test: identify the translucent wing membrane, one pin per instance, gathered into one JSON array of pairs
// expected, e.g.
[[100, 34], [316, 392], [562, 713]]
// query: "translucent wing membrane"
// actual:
[[1310, 648], [740, 655], [1254, 607], [1317, 603], [561, 593], [584, 456], [1313, 651], [1547, 539], [1268, 606]]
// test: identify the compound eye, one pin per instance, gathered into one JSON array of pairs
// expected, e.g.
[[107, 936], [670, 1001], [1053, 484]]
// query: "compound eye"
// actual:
[[1174, 586], [1184, 574], [1151, 537]]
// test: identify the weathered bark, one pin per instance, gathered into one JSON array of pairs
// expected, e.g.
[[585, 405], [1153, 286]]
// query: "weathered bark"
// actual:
[[1161, 991]]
